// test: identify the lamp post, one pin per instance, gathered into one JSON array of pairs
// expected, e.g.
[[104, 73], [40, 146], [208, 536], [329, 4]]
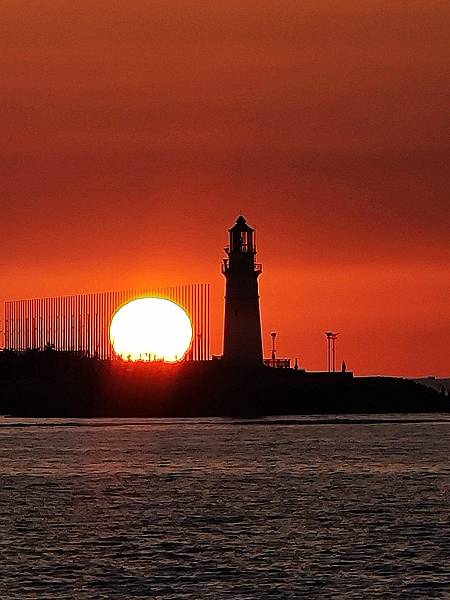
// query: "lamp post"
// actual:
[[273, 335], [331, 347]]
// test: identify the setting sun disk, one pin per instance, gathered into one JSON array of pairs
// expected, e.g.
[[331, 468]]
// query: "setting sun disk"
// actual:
[[151, 329]]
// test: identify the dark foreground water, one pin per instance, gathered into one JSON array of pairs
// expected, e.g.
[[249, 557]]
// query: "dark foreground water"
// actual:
[[295, 508]]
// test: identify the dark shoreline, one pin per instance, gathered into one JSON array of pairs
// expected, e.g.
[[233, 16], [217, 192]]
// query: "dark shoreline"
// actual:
[[227, 421], [60, 384]]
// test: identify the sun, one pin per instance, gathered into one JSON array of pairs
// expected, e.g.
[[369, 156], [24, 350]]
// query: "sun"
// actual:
[[151, 329]]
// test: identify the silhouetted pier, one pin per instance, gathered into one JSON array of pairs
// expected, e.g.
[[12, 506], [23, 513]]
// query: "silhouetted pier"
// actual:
[[49, 383]]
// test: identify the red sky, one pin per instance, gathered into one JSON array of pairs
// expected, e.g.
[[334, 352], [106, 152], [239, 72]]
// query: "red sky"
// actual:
[[133, 133]]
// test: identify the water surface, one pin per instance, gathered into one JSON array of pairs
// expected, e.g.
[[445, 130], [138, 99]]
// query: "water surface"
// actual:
[[302, 507]]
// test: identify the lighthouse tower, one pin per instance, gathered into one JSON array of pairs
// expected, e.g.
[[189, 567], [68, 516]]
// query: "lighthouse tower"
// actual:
[[242, 328]]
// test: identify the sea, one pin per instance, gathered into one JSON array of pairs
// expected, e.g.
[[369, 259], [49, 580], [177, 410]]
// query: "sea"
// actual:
[[277, 508]]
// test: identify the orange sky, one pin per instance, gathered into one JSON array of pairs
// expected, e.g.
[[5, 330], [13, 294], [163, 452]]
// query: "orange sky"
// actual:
[[133, 133]]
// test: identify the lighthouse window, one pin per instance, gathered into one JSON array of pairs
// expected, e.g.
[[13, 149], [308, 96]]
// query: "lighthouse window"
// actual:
[[246, 241]]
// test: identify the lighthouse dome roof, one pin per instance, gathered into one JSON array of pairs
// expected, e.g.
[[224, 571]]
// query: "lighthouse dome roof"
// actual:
[[241, 225]]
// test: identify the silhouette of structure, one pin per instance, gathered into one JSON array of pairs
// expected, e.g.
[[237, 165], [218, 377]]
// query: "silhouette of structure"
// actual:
[[81, 323], [331, 347], [56, 384], [273, 361], [273, 335], [242, 341]]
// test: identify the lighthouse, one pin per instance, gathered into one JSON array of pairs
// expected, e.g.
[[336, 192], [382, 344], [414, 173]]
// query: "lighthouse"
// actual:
[[242, 326]]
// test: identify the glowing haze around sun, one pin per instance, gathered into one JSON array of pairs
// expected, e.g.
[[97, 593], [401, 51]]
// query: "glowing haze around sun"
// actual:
[[151, 329]]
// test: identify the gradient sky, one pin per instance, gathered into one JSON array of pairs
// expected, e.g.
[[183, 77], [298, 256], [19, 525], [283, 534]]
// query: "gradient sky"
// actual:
[[134, 133]]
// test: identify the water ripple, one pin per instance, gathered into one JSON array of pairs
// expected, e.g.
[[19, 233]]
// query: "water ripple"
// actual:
[[216, 509]]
